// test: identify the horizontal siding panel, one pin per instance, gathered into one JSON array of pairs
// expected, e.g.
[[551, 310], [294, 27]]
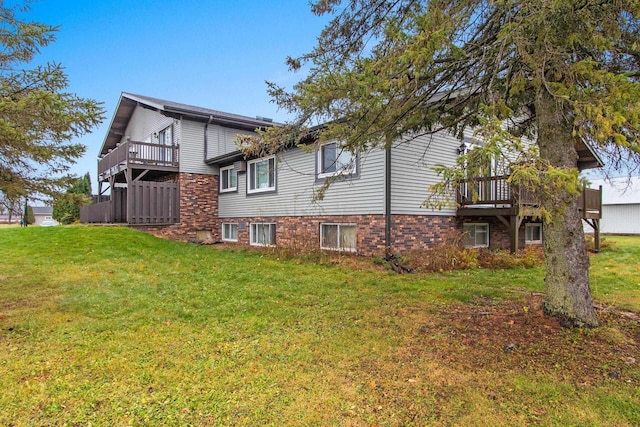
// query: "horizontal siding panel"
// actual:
[[222, 140], [144, 123], [192, 149], [412, 172], [296, 186]]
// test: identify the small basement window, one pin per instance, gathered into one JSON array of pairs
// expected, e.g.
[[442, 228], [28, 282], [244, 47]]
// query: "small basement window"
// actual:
[[229, 232], [533, 233], [263, 234], [338, 237], [476, 235]]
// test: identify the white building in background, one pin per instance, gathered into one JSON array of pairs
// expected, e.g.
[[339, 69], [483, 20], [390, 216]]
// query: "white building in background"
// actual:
[[620, 205]]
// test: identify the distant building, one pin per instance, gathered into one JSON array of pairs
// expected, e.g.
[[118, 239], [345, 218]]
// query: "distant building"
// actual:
[[620, 205], [43, 213], [4, 218]]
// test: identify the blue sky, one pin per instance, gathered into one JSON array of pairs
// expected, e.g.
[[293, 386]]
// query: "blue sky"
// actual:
[[214, 54]]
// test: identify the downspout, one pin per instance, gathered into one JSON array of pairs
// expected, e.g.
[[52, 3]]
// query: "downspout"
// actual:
[[387, 201], [206, 138]]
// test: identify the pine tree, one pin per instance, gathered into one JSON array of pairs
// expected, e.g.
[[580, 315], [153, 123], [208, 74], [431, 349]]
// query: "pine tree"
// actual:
[[38, 116], [559, 72], [66, 208]]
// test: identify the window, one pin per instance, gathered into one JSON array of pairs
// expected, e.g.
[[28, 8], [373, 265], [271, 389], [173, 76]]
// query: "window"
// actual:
[[476, 235], [339, 237], [261, 176], [334, 160], [228, 179], [263, 234], [533, 233], [230, 232], [165, 136]]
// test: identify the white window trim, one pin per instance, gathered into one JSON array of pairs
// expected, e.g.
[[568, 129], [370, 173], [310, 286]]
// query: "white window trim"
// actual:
[[352, 170], [229, 189], [531, 225], [339, 226], [251, 242], [224, 239], [475, 224], [250, 177]]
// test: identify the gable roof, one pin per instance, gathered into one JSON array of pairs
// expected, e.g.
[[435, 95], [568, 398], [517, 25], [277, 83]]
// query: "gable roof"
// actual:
[[128, 102], [42, 210]]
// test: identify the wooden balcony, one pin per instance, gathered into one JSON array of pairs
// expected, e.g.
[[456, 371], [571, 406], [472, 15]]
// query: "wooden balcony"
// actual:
[[140, 155], [495, 196]]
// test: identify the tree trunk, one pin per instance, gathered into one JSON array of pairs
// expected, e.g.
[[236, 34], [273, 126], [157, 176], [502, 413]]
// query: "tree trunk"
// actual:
[[568, 296]]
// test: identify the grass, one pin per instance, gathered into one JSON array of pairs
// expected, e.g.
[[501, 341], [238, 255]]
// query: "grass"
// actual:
[[109, 326], [616, 278]]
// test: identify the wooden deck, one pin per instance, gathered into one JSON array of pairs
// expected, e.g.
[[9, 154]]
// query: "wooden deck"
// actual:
[[132, 199], [496, 197], [140, 155]]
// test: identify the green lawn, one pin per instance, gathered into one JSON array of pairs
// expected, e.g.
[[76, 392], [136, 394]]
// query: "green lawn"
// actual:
[[109, 326]]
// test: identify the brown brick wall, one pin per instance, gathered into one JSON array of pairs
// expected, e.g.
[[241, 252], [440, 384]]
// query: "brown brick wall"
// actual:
[[499, 233], [303, 232], [198, 209], [199, 212]]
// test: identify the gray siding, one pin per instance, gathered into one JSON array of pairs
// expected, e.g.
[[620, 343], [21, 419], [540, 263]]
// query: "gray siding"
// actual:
[[222, 140], [296, 185], [144, 123], [192, 148], [412, 172]]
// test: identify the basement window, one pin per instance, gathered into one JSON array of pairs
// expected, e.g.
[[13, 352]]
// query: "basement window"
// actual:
[[475, 235], [229, 232], [338, 237], [533, 233], [263, 234]]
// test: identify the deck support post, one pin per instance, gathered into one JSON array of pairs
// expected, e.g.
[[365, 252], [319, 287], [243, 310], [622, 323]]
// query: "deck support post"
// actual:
[[513, 225], [595, 224], [514, 222]]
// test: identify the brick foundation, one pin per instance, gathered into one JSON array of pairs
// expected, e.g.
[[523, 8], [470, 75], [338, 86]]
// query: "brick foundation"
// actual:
[[198, 210], [199, 218], [498, 231], [408, 232]]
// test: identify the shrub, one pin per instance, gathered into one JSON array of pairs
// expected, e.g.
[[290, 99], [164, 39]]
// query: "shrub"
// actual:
[[447, 256], [452, 255], [531, 256], [590, 241]]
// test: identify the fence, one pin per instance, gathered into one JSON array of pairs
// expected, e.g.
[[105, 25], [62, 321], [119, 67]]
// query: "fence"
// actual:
[[143, 202]]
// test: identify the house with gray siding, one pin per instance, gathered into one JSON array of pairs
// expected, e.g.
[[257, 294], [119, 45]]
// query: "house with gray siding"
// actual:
[[175, 170]]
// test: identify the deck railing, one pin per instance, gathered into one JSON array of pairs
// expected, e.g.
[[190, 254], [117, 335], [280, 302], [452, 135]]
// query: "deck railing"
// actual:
[[138, 153], [496, 191], [493, 190]]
